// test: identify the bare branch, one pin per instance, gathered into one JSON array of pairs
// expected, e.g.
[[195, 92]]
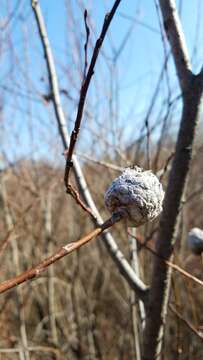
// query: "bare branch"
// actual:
[[117, 256], [161, 275], [63, 251], [169, 263], [86, 43], [102, 163], [176, 38], [186, 322], [137, 307], [158, 297], [85, 87]]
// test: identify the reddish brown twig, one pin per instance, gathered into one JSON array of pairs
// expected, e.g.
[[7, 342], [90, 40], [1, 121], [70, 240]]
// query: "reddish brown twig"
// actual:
[[74, 193], [63, 251], [84, 89], [86, 43], [83, 92], [169, 263]]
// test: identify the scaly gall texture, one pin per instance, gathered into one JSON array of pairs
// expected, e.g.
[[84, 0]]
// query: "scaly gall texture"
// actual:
[[139, 193], [195, 241]]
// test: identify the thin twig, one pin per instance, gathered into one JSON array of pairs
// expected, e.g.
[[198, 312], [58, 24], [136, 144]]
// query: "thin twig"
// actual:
[[102, 163], [84, 89], [51, 288], [149, 111], [163, 171], [86, 43], [169, 263], [186, 322], [75, 195], [137, 307], [163, 38]]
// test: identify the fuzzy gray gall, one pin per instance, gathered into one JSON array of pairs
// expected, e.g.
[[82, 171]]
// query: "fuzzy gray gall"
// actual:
[[137, 192]]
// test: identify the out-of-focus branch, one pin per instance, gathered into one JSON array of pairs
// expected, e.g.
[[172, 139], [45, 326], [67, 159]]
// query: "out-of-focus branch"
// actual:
[[168, 263], [117, 256], [8, 237], [190, 326], [102, 163], [16, 263], [176, 39], [51, 288], [138, 311], [65, 250]]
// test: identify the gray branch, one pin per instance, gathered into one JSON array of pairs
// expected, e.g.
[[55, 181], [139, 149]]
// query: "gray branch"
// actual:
[[176, 39], [192, 95]]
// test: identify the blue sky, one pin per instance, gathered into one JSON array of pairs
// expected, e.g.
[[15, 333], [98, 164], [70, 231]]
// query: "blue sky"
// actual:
[[29, 127]]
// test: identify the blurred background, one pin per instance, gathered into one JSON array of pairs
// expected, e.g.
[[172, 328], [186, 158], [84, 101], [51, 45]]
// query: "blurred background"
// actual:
[[82, 308]]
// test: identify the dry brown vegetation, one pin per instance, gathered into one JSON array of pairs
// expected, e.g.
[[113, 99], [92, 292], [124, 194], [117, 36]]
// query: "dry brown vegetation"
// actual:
[[81, 307]]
